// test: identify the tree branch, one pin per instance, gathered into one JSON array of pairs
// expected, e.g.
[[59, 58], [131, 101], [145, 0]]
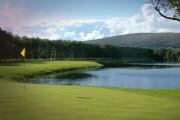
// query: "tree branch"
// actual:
[[167, 17], [160, 13]]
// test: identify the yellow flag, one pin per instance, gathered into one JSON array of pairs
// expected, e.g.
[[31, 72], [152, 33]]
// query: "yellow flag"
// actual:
[[23, 52]]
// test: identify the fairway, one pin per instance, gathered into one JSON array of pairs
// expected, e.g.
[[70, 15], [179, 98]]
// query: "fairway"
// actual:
[[22, 101]]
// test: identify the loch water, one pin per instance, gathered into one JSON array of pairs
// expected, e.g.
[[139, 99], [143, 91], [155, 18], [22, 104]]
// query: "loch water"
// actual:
[[136, 76]]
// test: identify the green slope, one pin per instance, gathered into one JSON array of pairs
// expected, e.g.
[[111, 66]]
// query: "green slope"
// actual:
[[20, 101], [150, 40]]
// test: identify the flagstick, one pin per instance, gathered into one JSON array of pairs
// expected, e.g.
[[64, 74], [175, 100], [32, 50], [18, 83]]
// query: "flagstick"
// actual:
[[23, 53], [24, 74]]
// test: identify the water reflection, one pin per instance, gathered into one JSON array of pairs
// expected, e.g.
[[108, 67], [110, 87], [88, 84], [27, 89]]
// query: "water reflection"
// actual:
[[69, 78], [153, 76]]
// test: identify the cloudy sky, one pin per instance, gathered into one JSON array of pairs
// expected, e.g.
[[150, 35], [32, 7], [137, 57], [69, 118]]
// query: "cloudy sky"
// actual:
[[81, 19]]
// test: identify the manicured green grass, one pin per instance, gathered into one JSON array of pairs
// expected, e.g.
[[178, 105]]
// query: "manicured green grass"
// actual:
[[19, 101]]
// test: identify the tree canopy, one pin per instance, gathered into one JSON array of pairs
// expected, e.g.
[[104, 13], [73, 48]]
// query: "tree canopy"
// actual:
[[11, 46], [169, 9], [37, 48]]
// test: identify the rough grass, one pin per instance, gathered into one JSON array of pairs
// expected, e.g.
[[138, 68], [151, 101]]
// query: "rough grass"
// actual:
[[19, 101]]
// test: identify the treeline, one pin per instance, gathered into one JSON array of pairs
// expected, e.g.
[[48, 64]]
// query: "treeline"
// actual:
[[167, 54], [59, 49], [10, 47], [45, 49]]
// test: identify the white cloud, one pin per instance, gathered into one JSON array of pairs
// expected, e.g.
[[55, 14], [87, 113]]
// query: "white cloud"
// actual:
[[142, 22], [146, 9], [76, 22], [145, 21], [86, 29], [90, 36], [50, 33], [70, 35]]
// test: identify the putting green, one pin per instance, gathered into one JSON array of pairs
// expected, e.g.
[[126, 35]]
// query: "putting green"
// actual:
[[19, 101]]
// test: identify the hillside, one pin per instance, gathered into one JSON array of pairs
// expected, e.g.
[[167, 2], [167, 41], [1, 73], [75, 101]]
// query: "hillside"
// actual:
[[150, 40]]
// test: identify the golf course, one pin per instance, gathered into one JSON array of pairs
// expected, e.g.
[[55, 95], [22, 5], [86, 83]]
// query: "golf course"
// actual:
[[26, 101], [89, 59]]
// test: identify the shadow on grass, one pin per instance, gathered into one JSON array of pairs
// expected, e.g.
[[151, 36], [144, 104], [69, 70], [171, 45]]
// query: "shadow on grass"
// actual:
[[87, 98]]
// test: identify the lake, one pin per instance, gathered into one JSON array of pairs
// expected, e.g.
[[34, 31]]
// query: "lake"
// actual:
[[134, 76]]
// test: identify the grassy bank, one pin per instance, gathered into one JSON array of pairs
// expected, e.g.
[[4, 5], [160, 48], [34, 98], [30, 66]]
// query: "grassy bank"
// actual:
[[122, 62], [19, 101]]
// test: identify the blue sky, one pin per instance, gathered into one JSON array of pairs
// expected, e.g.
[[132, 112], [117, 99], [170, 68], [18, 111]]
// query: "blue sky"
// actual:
[[79, 8], [81, 19]]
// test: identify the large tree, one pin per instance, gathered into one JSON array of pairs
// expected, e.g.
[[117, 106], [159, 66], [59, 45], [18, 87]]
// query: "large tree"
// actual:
[[169, 9]]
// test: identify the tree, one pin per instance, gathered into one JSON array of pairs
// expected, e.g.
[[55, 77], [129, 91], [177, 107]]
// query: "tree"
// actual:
[[10, 47], [169, 9]]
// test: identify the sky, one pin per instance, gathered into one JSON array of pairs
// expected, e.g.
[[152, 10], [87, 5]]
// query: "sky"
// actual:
[[81, 19]]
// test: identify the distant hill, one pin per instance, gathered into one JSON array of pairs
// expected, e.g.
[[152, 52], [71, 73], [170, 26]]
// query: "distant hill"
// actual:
[[149, 40]]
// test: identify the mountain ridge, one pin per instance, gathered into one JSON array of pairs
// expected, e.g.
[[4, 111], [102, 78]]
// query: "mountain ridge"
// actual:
[[147, 40]]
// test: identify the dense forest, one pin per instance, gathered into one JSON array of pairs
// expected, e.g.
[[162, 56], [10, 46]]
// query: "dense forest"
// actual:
[[11, 45]]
